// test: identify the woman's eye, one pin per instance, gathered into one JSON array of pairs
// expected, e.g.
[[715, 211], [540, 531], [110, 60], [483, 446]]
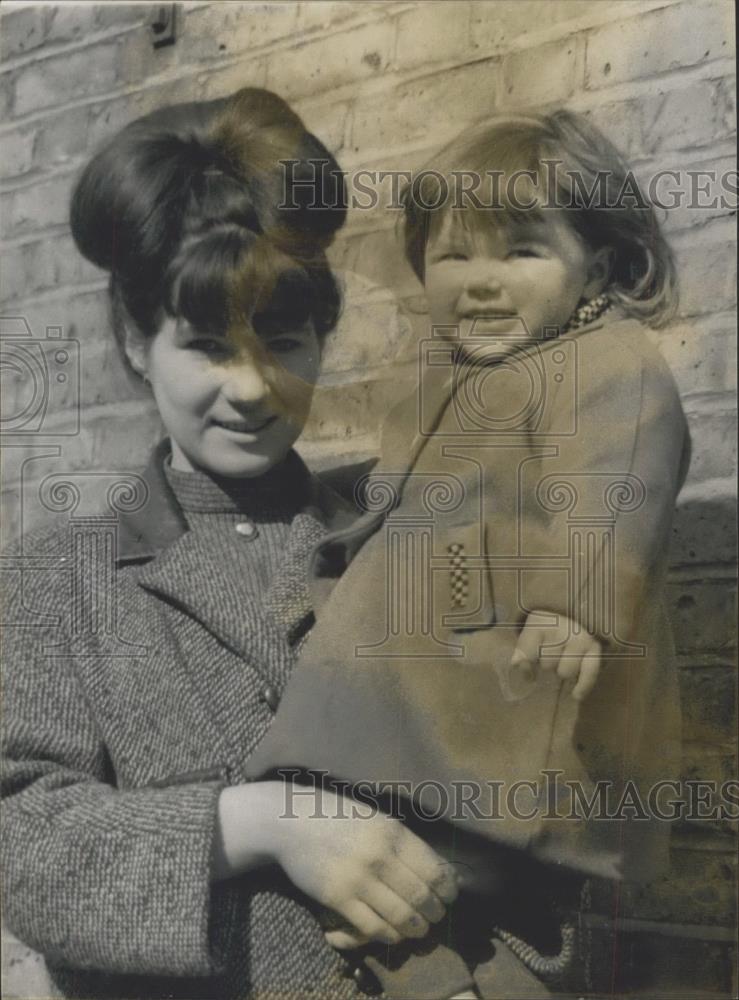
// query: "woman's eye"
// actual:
[[284, 345], [453, 255], [206, 345]]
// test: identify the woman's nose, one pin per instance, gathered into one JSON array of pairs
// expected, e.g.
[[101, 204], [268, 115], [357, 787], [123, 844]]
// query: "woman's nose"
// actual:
[[246, 383]]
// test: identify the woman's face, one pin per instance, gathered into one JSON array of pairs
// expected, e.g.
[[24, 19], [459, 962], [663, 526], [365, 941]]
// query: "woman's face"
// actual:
[[231, 410]]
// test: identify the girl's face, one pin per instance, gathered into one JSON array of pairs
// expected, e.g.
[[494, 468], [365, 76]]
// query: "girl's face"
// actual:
[[230, 410], [531, 272]]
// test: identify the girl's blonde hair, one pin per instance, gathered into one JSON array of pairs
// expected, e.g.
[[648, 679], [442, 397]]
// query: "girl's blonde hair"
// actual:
[[574, 169]]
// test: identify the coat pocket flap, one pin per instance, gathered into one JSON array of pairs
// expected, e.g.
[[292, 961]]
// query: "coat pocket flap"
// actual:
[[463, 594], [196, 777]]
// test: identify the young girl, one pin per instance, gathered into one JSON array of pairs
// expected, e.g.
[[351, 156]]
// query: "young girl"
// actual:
[[514, 547]]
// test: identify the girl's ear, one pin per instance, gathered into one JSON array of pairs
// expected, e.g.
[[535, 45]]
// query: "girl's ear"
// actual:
[[136, 346], [600, 266]]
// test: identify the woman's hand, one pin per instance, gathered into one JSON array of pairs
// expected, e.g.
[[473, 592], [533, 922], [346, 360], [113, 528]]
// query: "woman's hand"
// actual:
[[384, 881], [577, 656]]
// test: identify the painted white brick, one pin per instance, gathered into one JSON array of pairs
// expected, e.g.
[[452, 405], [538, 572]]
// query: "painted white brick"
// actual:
[[66, 77], [432, 105], [662, 40], [707, 274], [22, 29], [314, 15], [701, 354], [436, 31], [542, 75], [224, 30], [39, 205], [17, 152], [70, 22], [496, 26], [63, 137], [332, 61]]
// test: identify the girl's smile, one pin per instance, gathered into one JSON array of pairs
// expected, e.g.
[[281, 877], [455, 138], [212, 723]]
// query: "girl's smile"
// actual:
[[513, 279]]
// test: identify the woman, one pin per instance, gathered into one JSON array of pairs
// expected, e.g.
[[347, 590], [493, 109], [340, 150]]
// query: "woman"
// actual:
[[138, 859]]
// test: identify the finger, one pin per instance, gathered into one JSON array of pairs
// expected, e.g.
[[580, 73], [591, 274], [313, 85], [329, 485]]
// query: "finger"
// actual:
[[550, 653], [369, 923], [569, 664], [572, 656], [557, 645], [417, 893], [445, 883], [589, 672], [526, 654], [388, 904], [521, 663], [428, 866], [345, 940]]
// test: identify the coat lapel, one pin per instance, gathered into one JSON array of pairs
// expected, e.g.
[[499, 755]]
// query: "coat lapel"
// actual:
[[176, 575], [158, 523], [413, 421], [175, 562], [288, 601]]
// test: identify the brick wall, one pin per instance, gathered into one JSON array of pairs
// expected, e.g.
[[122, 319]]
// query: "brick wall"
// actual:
[[384, 83]]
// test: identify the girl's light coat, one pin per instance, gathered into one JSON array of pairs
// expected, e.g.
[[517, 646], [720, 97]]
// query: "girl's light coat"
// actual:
[[556, 477]]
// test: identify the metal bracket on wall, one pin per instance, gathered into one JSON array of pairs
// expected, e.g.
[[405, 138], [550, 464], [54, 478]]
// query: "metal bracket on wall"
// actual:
[[162, 24]]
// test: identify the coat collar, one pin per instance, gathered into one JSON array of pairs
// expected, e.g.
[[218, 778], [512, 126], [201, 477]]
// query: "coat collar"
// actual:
[[160, 522], [402, 443], [401, 446]]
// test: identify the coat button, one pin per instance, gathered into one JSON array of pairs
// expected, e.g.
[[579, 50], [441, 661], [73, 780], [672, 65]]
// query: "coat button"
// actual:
[[365, 980], [270, 696], [247, 529]]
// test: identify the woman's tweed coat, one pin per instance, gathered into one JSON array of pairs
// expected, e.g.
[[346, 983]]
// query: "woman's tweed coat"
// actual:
[[102, 870]]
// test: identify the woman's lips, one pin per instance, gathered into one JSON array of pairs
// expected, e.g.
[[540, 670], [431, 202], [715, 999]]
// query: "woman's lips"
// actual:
[[244, 426]]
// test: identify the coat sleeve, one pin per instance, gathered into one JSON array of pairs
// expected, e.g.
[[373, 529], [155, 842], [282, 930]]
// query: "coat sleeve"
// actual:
[[94, 877], [598, 508]]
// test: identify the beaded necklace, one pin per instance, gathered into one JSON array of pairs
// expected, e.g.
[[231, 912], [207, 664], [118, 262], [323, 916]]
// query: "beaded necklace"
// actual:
[[588, 312]]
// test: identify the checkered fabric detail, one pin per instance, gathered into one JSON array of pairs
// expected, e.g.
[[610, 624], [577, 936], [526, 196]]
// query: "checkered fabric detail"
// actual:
[[589, 311], [458, 574]]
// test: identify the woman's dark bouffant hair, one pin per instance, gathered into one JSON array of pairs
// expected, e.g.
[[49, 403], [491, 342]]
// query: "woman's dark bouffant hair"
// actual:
[[642, 280], [216, 211]]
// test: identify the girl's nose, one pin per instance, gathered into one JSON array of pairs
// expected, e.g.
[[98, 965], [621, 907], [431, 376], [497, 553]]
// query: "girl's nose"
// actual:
[[246, 383], [482, 280]]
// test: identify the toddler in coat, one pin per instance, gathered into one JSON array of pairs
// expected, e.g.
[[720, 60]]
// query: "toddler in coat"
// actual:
[[504, 584]]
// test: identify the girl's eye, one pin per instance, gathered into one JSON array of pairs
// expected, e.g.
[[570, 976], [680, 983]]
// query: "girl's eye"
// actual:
[[524, 252], [453, 255]]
